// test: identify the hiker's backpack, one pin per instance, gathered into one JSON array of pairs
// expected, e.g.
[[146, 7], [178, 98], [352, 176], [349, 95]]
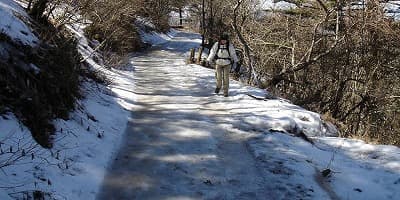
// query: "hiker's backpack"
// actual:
[[227, 48]]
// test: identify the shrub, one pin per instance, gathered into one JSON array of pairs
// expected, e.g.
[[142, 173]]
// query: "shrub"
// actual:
[[39, 97]]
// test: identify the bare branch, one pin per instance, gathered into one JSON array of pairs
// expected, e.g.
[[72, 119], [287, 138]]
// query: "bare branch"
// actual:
[[273, 44], [242, 40], [323, 6]]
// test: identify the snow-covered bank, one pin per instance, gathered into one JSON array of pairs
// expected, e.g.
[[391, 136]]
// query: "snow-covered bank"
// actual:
[[154, 38], [392, 9], [84, 145], [14, 22], [276, 5], [150, 37], [74, 167], [353, 169]]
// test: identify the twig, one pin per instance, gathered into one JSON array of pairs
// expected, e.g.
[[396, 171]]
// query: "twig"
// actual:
[[94, 51]]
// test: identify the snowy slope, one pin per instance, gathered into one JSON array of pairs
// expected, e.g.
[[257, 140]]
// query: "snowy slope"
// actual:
[[358, 170], [276, 5], [74, 167], [392, 9], [151, 37], [84, 144], [14, 22]]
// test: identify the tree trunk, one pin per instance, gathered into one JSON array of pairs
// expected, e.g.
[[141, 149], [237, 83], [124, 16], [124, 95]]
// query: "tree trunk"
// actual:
[[245, 44], [203, 24], [211, 17], [29, 5], [199, 56], [38, 9], [180, 17]]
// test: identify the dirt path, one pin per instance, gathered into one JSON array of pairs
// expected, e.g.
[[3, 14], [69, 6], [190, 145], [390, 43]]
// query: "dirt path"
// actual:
[[175, 146]]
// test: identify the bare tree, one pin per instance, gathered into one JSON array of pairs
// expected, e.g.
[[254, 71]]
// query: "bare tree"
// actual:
[[238, 31]]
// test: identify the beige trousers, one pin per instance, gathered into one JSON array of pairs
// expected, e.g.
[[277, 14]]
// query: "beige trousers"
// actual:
[[222, 74]]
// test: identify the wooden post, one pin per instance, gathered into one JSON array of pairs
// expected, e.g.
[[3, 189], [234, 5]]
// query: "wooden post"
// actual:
[[180, 17], [199, 55], [191, 56]]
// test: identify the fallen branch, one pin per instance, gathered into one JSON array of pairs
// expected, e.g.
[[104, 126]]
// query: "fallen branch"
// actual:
[[258, 98], [94, 51]]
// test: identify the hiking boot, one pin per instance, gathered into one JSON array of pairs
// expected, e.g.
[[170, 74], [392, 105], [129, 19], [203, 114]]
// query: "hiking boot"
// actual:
[[225, 95], [217, 90]]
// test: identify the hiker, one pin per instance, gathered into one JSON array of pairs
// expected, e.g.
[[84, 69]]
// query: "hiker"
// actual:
[[224, 55]]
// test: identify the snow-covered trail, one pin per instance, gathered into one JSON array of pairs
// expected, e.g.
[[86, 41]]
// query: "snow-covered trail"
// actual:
[[175, 147], [184, 142]]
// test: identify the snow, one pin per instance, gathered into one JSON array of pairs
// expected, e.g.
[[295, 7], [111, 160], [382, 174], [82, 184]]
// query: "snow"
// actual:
[[276, 5], [13, 23], [392, 9], [4, 196], [151, 37], [85, 145], [355, 165], [174, 17], [35, 69], [292, 165], [156, 38]]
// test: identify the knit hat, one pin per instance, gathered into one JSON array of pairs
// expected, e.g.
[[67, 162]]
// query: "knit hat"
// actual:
[[224, 36]]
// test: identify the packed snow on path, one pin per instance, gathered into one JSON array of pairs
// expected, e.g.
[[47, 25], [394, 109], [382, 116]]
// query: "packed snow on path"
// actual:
[[185, 142]]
